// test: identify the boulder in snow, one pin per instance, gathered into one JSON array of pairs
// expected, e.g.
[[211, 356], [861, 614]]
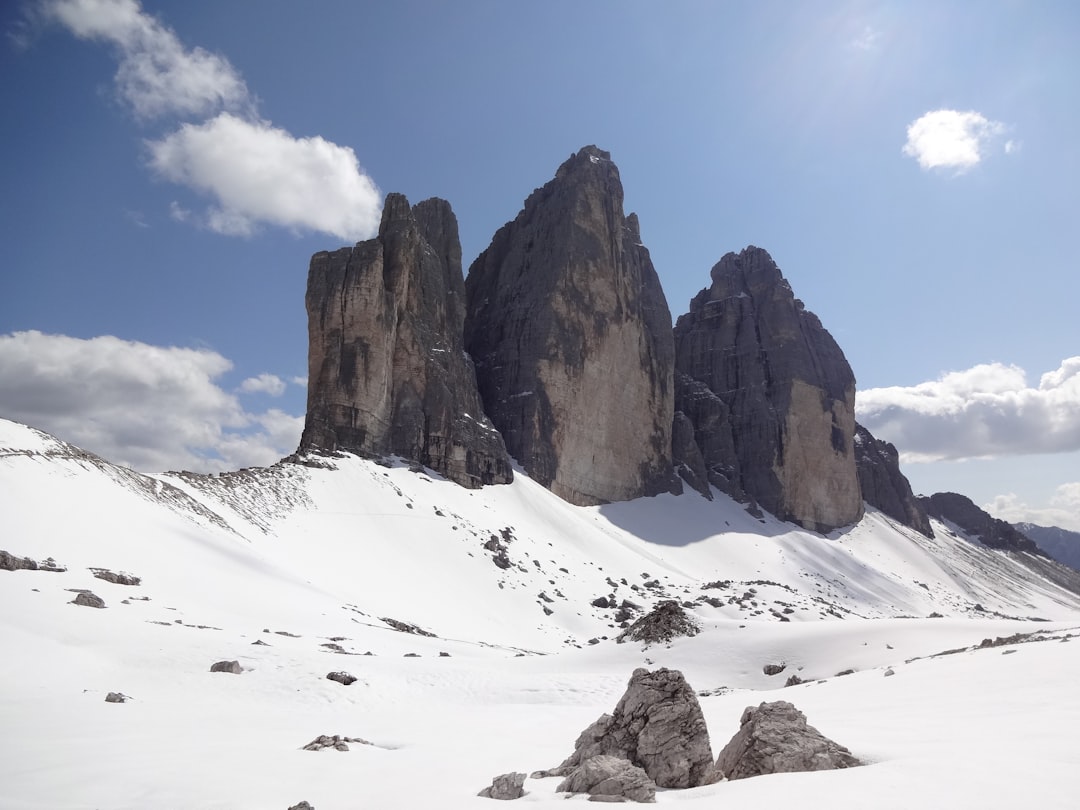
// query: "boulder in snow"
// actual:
[[343, 678], [88, 599], [232, 667], [608, 778], [505, 787]]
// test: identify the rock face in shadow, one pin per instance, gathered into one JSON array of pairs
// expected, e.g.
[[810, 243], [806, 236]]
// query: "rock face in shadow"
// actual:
[[770, 394], [657, 726], [571, 336], [387, 370], [990, 531], [883, 485], [775, 738]]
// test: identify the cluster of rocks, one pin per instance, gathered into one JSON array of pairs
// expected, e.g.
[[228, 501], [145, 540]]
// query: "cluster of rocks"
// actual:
[[115, 577], [665, 622], [335, 742], [657, 738], [558, 350], [10, 562]]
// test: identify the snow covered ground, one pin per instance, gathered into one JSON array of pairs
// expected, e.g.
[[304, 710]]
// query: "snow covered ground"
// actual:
[[311, 562]]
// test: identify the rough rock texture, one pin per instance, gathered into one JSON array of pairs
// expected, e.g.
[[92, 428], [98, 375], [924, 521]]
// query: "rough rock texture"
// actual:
[[990, 531], [775, 738], [571, 335], [506, 787], [605, 775], [344, 678], [664, 622], [302, 806], [658, 726], [115, 578], [9, 562], [232, 667], [387, 370], [786, 439], [116, 697], [88, 599], [336, 742], [883, 485]]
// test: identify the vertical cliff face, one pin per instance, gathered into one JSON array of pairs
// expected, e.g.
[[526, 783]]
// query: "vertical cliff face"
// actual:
[[387, 370], [572, 340], [883, 485], [748, 346]]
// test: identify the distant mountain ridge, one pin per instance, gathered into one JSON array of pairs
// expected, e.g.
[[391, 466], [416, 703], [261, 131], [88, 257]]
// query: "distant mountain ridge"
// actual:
[[1061, 544]]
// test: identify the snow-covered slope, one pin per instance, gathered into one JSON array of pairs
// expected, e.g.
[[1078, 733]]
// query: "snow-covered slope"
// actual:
[[305, 568]]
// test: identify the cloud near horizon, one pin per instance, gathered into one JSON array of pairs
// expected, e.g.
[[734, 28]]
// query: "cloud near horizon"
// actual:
[[1063, 511], [984, 412], [950, 139], [151, 408], [255, 172]]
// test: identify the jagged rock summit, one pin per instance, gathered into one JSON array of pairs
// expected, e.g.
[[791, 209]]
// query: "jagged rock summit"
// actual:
[[571, 335], [882, 483], [387, 369], [770, 395]]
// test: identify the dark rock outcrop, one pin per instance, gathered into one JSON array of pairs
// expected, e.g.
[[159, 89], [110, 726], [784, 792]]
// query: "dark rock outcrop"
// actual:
[[387, 370], [9, 562], [88, 599], [775, 419], [978, 524], [344, 678], [883, 485], [658, 726], [506, 787], [571, 335], [114, 577], [608, 776], [775, 738], [232, 667], [336, 742], [667, 621], [116, 697]]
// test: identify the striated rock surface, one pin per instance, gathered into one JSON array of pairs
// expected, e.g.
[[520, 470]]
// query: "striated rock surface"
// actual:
[[775, 738], [387, 370], [611, 777], [990, 531], [657, 726], [883, 485], [775, 419], [505, 787], [571, 336]]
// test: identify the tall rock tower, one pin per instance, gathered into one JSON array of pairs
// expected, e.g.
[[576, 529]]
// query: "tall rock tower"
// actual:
[[387, 369], [571, 336], [770, 395]]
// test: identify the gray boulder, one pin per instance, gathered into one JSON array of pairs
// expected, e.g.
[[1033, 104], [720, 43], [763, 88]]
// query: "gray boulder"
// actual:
[[88, 599], [116, 697], [658, 726], [611, 777], [663, 623], [302, 806], [505, 787], [344, 678], [232, 667], [775, 738]]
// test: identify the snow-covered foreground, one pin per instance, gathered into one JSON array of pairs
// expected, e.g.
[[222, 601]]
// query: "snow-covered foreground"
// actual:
[[302, 558]]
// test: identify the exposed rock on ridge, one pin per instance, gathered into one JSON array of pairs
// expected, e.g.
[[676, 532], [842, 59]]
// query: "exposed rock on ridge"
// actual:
[[990, 531], [770, 394], [571, 335], [883, 485], [387, 370]]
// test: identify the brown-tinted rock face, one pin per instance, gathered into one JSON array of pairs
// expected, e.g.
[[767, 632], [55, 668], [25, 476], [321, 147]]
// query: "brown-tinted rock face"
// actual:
[[788, 390], [883, 485], [571, 335], [387, 370]]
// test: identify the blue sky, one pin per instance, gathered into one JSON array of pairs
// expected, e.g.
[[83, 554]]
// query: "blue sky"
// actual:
[[913, 167]]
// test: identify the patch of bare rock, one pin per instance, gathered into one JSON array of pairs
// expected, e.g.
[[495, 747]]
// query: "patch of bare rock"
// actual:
[[88, 599], [344, 678], [232, 667], [9, 562], [505, 787], [336, 741], [115, 578], [665, 622]]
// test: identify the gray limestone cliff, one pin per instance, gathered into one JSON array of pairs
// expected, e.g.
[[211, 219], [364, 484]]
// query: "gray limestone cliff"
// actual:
[[770, 394], [883, 485], [387, 369], [977, 523], [571, 336]]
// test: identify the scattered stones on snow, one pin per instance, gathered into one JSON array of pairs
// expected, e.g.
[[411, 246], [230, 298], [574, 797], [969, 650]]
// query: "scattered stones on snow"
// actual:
[[116, 697], [610, 777], [336, 742], [505, 787], [9, 562], [343, 678], [232, 667], [406, 627], [88, 599], [115, 578], [775, 738], [667, 621]]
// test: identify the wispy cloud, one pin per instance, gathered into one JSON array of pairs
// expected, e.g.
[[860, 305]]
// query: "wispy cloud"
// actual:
[[985, 411], [149, 407], [264, 384], [867, 39], [950, 139], [254, 172]]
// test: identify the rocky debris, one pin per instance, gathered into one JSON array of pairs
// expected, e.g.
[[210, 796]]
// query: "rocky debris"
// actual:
[[337, 742], [88, 599], [665, 622], [387, 369], [232, 667], [989, 531], [773, 407], [406, 627], [609, 776], [793, 680], [505, 787], [9, 562], [115, 578], [889, 672], [302, 806], [883, 485], [657, 725], [117, 697], [572, 340], [773, 669], [501, 558], [775, 738], [343, 678]]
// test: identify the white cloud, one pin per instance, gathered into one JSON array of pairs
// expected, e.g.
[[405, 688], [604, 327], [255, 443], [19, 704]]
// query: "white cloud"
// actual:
[[264, 384], [259, 173], [985, 411], [157, 74], [1063, 511], [866, 40], [148, 407], [951, 139]]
